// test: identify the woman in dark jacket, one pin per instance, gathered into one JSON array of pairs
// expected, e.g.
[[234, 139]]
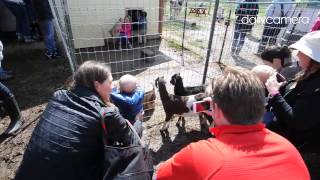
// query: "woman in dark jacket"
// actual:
[[296, 104], [67, 142]]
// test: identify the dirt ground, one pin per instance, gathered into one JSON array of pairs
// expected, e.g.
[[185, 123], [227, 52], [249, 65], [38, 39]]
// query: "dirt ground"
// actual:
[[36, 78]]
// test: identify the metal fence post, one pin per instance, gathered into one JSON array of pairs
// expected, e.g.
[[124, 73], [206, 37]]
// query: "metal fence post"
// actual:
[[213, 24], [70, 34], [64, 43], [184, 32], [225, 35]]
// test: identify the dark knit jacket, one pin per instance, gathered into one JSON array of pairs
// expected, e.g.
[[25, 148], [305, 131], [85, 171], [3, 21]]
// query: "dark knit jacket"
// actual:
[[67, 142]]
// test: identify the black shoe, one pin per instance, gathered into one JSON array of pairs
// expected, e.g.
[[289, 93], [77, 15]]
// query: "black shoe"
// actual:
[[13, 110]]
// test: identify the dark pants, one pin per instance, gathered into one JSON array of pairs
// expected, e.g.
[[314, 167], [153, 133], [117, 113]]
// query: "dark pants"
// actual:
[[238, 41], [124, 39], [47, 29], [240, 32], [269, 37], [19, 10]]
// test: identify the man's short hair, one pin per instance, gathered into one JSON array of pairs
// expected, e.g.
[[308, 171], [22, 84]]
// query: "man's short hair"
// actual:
[[240, 95]]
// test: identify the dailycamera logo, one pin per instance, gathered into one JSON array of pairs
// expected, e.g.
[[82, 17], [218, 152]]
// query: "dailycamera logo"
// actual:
[[274, 20]]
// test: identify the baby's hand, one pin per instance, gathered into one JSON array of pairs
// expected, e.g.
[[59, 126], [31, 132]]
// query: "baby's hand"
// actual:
[[139, 116]]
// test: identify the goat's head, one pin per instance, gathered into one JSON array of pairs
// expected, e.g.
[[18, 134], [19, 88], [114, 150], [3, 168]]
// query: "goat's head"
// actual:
[[159, 80], [175, 78]]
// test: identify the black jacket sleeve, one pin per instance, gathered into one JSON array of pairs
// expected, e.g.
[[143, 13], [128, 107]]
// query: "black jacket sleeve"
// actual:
[[302, 115], [117, 129]]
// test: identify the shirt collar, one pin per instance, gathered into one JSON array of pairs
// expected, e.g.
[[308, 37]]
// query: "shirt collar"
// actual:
[[236, 129], [87, 93]]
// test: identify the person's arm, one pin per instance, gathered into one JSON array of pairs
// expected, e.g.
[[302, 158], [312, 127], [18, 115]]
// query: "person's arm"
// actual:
[[117, 128], [135, 98], [301, 116]]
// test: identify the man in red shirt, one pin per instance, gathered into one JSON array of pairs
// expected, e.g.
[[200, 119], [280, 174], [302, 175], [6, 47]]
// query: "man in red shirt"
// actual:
[[242, 148]]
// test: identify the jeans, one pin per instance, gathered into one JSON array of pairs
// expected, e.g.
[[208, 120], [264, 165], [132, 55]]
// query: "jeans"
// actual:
[[19, 10], [238, 40], [47, 28], [124, 39]]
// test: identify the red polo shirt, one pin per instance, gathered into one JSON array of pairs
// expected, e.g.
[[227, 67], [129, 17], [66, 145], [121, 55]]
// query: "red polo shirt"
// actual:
[[238, 152]]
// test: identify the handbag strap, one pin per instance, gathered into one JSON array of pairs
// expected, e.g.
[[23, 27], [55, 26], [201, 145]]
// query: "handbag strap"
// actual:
[[135, 133], [104, 129]]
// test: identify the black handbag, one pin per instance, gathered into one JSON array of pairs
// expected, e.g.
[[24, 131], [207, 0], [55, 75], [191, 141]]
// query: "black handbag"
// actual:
[[133, 162]]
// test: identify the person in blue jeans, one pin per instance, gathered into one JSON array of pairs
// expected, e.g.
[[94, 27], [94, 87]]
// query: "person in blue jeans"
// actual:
[[142, 20], [129, 99], [245, 13], [44, 16], [19, 10], [9, 106]]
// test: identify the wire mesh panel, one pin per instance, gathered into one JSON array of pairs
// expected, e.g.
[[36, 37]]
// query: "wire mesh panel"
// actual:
[[152, 38], [136, 37], [251, 26]]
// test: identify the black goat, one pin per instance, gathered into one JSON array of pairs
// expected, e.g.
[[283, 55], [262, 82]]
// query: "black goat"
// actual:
[[180, 90], [173, 104]]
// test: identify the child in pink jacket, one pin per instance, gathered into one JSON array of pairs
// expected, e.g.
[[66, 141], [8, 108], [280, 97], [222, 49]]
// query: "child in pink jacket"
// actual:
[[316, 24], [125, 32]]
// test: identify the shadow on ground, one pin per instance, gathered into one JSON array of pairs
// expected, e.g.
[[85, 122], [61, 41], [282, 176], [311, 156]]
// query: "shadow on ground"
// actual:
[[243, 62], [181, 140]]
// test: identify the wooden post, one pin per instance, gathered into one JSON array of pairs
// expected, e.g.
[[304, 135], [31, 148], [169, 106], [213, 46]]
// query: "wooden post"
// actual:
[[161, 14]]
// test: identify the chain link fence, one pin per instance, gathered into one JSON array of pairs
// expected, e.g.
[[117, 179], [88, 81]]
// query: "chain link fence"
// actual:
[[176, 36]]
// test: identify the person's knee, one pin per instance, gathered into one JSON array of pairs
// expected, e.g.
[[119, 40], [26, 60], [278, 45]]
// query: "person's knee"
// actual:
[[5, 93]]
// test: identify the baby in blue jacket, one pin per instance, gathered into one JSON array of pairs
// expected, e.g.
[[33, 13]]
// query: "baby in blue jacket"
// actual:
[[128, 97]]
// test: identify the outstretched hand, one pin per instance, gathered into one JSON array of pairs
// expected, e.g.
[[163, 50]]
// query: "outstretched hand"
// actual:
[[273, 85]]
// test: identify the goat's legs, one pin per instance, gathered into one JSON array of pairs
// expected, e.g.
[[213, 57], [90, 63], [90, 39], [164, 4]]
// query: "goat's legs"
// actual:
[[165, 125], [181, 119], [164, 130]]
